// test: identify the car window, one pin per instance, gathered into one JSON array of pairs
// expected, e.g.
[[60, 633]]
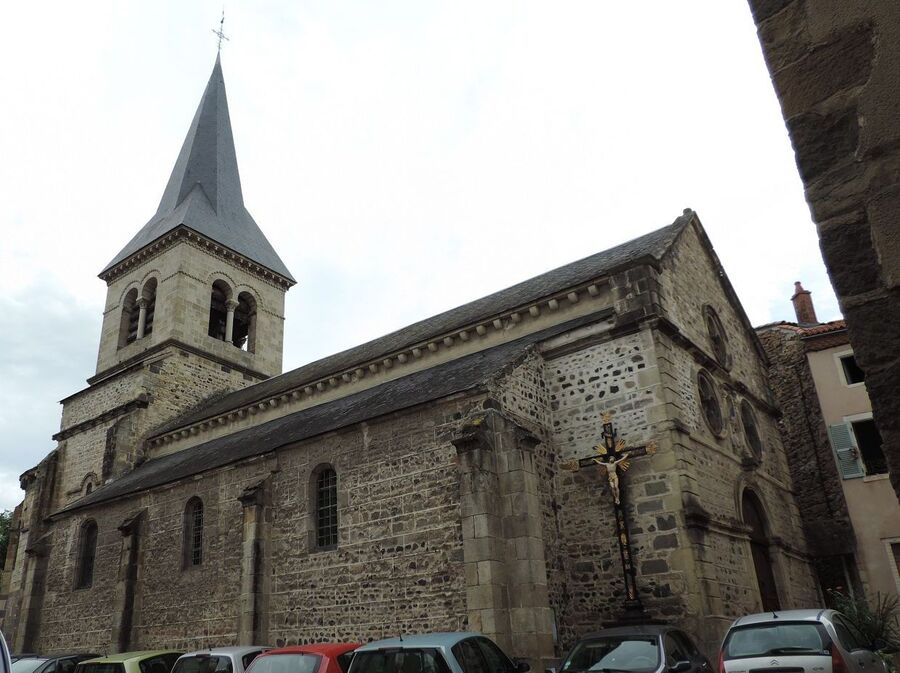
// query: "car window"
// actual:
[[687, 644], [344, 660], [632, 653], [847, 635], [158, 664], [469, 657], [675, 651], [286, 663], [27, 665], [66, 665], [248, 658], [769, 638], [497, 661], [203, 663], [100, 668], [397, 660]]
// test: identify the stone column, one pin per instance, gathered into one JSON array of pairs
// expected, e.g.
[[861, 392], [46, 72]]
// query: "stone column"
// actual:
[[253, 620], [230, 305], [142, 317], [503, 542], [123, 603]]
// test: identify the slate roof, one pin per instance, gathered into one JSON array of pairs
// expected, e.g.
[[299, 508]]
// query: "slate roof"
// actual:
[[457, 376], [204, 190], [653, 245]]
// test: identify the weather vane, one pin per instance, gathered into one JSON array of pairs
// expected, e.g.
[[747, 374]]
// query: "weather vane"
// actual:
[[221, 32]]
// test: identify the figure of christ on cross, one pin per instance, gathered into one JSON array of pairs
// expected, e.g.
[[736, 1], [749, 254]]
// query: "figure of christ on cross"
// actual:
[[613, 455]]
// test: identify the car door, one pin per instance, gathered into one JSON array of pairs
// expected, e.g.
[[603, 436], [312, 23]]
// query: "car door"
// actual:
[[674, 650], [468, 656]]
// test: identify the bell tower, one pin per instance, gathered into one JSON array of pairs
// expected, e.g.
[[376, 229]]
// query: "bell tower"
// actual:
[[200, 275]]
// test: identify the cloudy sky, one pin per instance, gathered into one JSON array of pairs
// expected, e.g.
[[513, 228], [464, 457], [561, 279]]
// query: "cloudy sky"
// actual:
[[403, 158]]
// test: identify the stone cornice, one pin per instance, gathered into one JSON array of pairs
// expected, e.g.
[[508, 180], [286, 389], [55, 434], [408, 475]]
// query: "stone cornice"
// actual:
[[142, 401], [182, 232], [514, 319]]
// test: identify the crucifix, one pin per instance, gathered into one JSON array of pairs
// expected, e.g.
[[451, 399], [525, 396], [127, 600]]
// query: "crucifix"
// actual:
[[615, 457]]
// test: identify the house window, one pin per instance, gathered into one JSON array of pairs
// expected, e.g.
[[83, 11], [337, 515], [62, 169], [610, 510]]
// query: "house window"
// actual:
[[857, 447], [148, 297], [709, 402], [716, 335], [244, 330], [895, 555], [852, 372], [218, 312], [193, 533], [868, 441], [87, 551], [751, 429], [128, 325], [326, 508]]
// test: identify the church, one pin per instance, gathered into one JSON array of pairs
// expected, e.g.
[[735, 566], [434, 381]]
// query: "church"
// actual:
[[423, 481]]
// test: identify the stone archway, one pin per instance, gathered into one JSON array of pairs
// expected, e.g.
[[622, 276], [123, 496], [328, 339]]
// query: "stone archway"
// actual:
[[752, 512]]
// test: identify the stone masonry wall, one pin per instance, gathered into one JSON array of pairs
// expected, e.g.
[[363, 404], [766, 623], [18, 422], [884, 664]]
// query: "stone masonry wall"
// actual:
[[818, 490], [834, 66], [398, 566]]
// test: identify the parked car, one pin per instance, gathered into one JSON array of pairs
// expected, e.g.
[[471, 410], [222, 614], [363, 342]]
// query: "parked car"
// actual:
[[801, 641], [5, 659], [435, 653], [219, 660], [60, 663], [319, 658], [15, 656], [148, 661], [642, 648]]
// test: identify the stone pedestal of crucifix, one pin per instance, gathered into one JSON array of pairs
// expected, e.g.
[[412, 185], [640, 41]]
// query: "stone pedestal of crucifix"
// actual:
[[615, 457]]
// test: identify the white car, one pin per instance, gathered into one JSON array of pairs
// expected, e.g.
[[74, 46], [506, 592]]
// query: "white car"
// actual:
[[218, 660], [797, 641]]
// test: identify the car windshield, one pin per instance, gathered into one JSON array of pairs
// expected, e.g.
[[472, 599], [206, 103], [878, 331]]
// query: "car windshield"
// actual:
[[203, 663], [614, 653], [27, 665], [767, 639], [285, 663], [399, 661]]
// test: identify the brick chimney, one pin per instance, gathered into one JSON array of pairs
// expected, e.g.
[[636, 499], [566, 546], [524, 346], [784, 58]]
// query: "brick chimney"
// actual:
[[803, 306]]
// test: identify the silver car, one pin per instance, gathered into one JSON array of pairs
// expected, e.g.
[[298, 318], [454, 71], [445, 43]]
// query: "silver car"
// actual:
[[797, 641], [218, 660]]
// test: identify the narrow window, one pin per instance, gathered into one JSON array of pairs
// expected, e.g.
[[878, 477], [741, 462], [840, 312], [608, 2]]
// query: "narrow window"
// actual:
[[895, 552], [148, 296], [751, 430], [218, 313], [193, 533], [128, 326], [852, 371], [87, 550], [709, 402], [244, 332], [326, 508], [868, 441], [716, 335]]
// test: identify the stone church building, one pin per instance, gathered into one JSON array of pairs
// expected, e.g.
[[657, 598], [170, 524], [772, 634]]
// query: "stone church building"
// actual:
[[198, 496]]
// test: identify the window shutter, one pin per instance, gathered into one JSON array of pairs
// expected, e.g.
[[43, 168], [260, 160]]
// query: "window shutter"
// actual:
[[847, 455]]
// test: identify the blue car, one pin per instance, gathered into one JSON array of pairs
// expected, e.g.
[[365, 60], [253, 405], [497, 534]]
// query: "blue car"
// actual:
[[435, 653]]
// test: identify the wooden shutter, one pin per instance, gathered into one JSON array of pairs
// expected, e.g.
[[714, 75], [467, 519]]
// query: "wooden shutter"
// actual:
[[845, 451]]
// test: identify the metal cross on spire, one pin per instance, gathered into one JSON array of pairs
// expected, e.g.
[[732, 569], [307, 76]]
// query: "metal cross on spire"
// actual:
[[221, 32]]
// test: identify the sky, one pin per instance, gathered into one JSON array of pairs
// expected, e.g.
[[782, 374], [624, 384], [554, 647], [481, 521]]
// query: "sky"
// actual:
[[403, 157]]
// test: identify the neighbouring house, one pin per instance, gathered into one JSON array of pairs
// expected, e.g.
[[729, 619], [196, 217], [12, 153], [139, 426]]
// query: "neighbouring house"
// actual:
[[850, 512]]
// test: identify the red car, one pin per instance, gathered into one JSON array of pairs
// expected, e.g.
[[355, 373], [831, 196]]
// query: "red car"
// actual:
[[318, 658]]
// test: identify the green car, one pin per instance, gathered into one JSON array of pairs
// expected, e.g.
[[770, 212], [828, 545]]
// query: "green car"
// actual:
[[149, 661]]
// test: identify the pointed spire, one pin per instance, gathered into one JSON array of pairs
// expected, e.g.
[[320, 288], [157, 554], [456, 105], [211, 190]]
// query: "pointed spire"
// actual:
[[204, 190]]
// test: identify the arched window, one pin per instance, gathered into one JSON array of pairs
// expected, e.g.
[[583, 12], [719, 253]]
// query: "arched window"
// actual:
[[717, 339], [128, 327], [193, 533], [751, 429], [325, 507], [751, 510], [87, 551], [244, 331], [709, 403], [218, 312], [148, 300]]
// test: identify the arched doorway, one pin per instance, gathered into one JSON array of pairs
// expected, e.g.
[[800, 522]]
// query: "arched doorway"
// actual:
[[759, 549]]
